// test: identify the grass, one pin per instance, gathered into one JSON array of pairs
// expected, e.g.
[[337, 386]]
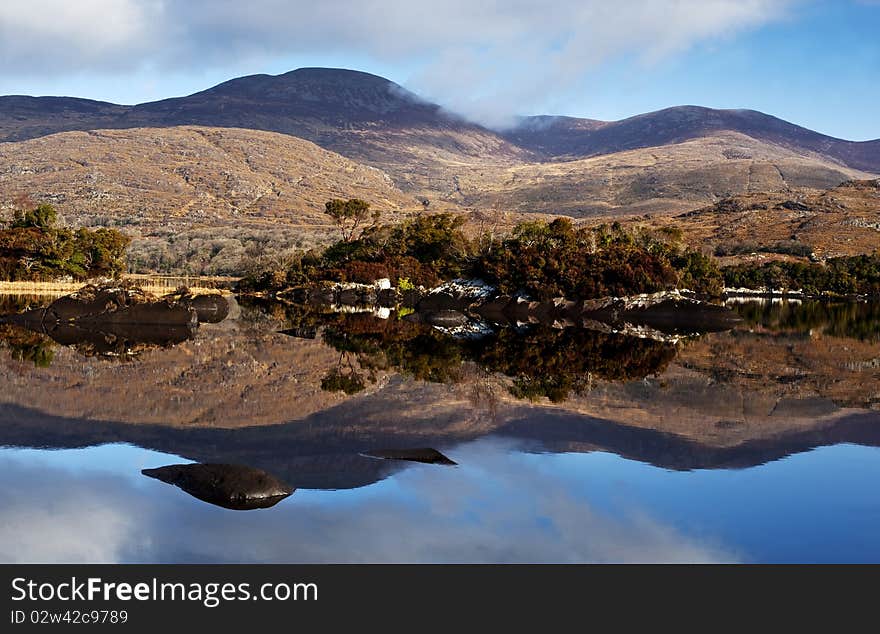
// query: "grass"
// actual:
[[159, 285]]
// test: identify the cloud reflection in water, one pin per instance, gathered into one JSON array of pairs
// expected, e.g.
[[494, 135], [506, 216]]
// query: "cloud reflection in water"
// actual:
[[498, 506]]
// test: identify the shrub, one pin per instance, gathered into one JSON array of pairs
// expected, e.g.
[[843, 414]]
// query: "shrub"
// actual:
[[556, 259], [34, 249]]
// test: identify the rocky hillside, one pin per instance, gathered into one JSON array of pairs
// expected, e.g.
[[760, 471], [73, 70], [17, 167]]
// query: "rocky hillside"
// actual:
[[842, 220], [159, 184], [665, 179]]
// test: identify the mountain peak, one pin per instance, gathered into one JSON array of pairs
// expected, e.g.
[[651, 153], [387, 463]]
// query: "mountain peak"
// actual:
[[330, 94]]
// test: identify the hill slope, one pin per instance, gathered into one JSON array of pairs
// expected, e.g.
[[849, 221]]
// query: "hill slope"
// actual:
[[573, 137], [666, 179], [226, 186], [843, 220]]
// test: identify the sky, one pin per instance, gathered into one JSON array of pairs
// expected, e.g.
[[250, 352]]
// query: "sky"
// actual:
[[812, 62]]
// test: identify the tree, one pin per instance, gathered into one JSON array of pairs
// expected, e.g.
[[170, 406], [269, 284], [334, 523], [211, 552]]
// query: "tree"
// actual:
[[102, 251], [42, 217], [348, 215]]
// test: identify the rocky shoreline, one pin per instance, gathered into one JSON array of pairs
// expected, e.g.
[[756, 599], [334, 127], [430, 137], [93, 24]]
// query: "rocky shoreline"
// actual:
[[459, 302]]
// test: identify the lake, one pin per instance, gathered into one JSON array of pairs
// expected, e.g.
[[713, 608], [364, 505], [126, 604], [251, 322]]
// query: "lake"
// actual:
[[295, 434]]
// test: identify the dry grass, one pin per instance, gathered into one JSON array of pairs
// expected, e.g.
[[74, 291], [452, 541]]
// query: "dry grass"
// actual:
[[157, 285]]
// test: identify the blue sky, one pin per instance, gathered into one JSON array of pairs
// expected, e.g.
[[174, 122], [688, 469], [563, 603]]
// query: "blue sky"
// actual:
[[812, 62]]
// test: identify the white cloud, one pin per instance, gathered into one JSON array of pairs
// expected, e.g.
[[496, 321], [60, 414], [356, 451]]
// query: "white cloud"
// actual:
[[481, 58], [54, 36]]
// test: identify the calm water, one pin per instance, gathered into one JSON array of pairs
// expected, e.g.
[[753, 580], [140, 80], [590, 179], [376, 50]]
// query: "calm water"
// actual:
[[760, 444]]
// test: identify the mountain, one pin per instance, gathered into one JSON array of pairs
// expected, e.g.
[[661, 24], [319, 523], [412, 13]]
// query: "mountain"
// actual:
[[573, 137], [362, 116], [666, 179], [23, 117], [370, 118], [290, 133]]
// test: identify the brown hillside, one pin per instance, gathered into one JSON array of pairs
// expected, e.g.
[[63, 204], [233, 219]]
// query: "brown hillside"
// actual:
[[843, 220], [667, 179]]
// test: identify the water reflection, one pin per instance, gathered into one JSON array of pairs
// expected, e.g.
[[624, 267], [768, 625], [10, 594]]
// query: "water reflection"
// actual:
[[851, 320], [542, 361], [332, 449], [31, 329], [351, 403], [501, 505]]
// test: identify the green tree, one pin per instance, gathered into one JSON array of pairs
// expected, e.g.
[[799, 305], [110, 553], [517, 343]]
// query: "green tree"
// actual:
[[348, 215], [102, 251], [41, 217]]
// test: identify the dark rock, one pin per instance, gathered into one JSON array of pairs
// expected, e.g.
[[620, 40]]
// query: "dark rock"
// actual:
[[410, 298], [322, 296], [445, 318], [683, 316], [522, 309], [235, 487], [116, 339], [425, 455], [301, 333], [210, 309], [433, 302], [494, 309], [110, 306], [368, 297], [793, 205], [388, 297], [348, 297], [297, 295]]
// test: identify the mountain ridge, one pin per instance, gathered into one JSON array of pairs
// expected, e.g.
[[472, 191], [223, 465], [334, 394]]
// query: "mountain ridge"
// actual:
[[306, 101], [583, 138]]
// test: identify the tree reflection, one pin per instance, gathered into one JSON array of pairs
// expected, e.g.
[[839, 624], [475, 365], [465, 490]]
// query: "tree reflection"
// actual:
[[851, 320], [541, 361]]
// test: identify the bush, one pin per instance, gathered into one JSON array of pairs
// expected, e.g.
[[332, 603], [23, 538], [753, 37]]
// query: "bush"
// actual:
[[34, 249], [559, 260]]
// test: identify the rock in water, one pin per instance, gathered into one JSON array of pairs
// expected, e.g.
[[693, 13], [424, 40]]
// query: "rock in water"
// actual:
[[426, 455], [109, 305], [210, 309], [235, 487]]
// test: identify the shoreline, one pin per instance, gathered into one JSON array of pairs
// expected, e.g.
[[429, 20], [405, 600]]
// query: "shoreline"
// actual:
[[66, 288]]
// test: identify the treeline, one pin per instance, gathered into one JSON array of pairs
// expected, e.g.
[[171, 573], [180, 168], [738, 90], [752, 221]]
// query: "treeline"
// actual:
[[33, 248], [851, 320], [556, 259], [783, 247], [850, 275], [544, 259]]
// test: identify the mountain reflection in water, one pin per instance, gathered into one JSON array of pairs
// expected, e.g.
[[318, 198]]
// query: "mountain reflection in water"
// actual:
[[313, 409]]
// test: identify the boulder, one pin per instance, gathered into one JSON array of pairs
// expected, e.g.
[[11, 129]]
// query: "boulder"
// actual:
[[210, 309], [230, 486], [92, 306], [425, 455]]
